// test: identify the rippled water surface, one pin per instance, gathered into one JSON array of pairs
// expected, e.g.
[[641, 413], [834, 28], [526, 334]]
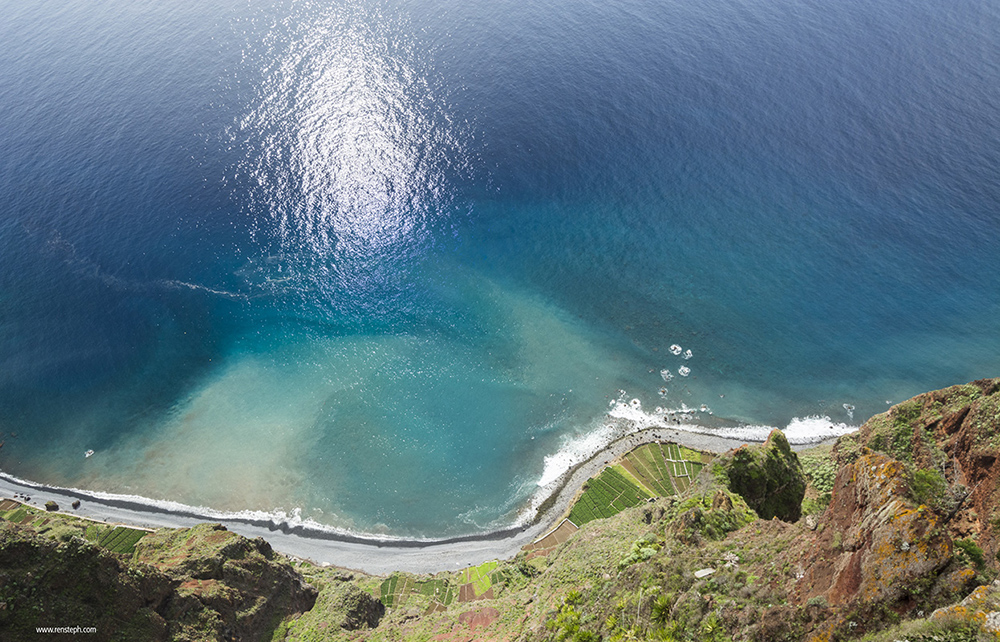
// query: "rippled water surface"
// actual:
[[379, 262]]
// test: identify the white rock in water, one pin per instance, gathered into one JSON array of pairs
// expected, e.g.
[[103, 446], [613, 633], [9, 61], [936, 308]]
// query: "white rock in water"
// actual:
[[683, 371], [676, 349]]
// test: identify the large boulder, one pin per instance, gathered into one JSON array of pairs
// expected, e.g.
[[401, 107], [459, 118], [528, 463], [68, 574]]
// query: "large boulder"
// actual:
[[769, 477]]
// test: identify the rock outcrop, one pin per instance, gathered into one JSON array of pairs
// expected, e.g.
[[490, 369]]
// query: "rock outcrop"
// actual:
[[912, 520], [343, 605], [954, 432], [203, 583], [227, 586], [45, 582], [878, 550], [769, 477]]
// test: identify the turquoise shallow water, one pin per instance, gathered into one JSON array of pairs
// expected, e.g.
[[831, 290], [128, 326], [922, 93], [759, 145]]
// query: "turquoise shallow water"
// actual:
[[380, 261]]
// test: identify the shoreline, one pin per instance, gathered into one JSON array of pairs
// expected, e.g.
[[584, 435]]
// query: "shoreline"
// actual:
[[370, 553]]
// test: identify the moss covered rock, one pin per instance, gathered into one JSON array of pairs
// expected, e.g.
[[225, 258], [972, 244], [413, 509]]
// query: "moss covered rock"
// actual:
[[204, 583], [707, 516], [768, 477], [342, 605], [228, 585], [44, 582]]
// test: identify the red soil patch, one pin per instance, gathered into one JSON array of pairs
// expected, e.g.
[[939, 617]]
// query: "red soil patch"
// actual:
[[199, 585], [481, 618], [466, 593]]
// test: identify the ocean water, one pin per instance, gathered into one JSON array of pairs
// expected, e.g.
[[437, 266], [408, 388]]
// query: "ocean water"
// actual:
[[389, 265]]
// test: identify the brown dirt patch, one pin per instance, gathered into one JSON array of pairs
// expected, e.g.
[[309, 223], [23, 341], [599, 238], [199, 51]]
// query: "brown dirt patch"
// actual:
[[199, 586], [556, 536], [466, 593], [480, 618]]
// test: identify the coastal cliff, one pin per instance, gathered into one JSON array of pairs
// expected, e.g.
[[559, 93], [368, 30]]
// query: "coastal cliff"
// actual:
[[890, 534]]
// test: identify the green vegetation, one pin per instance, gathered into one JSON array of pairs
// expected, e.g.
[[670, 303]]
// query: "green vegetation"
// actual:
[[16, 516], [937, 630], [710, 515], [769, 477], [969, 552], [928, 486], [479, 576], [605, 495], [651, 470], [117, 539], [567, 621], [820, 469], [121, 539], [395, 590], [642, 549], [664, 469]]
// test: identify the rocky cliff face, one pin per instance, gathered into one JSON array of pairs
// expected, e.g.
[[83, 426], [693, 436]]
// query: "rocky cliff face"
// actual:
[[951, 435], [768, 477], [225, 586], [899, 544], [912, 524], [45, 582], [878, 552], [204, 583]]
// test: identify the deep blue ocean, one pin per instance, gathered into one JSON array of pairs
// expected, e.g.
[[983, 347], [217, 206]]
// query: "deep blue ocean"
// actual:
[[374, 261]]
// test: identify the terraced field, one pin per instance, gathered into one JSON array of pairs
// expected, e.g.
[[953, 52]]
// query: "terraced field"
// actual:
[[651, 470], [664, 469], [398, 589], [605, 495], [479, 577], [117, 539], [473, 583], [120, 539]]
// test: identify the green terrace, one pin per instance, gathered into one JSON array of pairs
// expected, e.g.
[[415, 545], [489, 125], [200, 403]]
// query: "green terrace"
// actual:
[[117, 539], [651, 470]]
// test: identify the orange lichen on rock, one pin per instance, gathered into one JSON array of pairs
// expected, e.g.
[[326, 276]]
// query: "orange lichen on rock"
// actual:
[[981, 607], [875, 542]]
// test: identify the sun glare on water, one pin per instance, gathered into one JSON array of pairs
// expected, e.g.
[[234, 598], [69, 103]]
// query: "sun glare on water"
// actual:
[[349, 145]]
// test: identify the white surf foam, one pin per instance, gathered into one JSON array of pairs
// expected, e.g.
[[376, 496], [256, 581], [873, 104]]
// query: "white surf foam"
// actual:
[[799, 431], [575, 451], [278, 518]]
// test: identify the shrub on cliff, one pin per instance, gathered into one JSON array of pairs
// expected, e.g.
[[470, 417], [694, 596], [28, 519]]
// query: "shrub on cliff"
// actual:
[[769, 477]]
